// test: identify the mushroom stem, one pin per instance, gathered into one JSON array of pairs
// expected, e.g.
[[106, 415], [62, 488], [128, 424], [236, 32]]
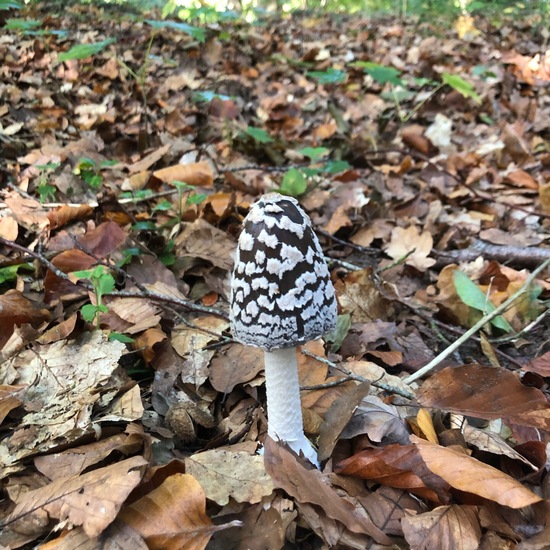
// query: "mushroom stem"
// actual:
[[284, 409]]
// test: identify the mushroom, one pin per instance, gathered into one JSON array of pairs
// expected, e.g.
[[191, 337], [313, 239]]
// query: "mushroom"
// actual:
[[281, 297]]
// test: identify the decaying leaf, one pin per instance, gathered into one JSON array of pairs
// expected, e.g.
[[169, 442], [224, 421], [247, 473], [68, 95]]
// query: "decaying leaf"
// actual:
[[457, 526], [310, 486], [224, 474], [91, 500]]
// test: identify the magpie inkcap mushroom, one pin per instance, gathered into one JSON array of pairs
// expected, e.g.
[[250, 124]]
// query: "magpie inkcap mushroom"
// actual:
[[281, 297]]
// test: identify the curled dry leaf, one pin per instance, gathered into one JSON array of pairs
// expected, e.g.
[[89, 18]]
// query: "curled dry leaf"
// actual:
[[398, 466], [337, 416], [65, 214], [444, 527], [472, 476], [224, 474], [15, 310], [312, 487], [92, 500], [173, 516]]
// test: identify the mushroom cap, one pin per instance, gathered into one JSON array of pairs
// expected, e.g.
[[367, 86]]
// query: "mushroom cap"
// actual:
[[281, 292]]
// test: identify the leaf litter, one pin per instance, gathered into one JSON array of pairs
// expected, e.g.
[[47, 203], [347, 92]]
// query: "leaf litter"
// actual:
[[421, 154]]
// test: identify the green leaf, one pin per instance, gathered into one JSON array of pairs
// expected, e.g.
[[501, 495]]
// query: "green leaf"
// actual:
[[82, 51], [22, 24], [119, 337], [330, 76], [10, 5], [196, 32], [144, 226], [294, 183], [461, 86], [336, 166], [475, 298], [105, 284], [162, 206], [381, 73], [197, 198], [259, 135], [83, 274], [314, 153], [89, 312], [8, 274], [336, 337]]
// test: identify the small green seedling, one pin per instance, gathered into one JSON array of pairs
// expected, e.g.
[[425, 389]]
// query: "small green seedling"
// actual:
[[86, 168], [102, 283]]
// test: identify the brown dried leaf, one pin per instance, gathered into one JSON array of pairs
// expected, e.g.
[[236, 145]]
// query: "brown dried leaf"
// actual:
[[398, 466], [9, 399], [8, 228], [224, 474], [311, 486], [465, 473], [16, 310], [235, 364], [103, 240], [65, 214], [74, 461], [359, 296], [338, 415], [172, 516], [92, 500], [197, 173], [404, 240], [202, 240], [458, 526], [483, 392]]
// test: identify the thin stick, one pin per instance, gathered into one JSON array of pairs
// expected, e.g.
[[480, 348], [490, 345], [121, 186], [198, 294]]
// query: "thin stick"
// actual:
[[479, 325]]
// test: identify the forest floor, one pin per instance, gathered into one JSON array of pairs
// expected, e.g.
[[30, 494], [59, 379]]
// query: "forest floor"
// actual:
[[132, 149]]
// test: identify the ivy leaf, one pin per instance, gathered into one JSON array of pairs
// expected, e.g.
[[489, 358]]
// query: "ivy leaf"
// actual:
[[461, 86], [475, 298], [82, 51]]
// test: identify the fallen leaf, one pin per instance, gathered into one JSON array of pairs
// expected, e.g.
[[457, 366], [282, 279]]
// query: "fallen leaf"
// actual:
[[92, 500], [467, 474], [458, 526], [172, 516], [411, 241], [224, 474], [310, 486]]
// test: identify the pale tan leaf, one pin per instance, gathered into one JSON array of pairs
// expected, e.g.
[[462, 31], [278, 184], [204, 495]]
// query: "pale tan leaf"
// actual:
[[444, 528], [224, 474], [403, 241]]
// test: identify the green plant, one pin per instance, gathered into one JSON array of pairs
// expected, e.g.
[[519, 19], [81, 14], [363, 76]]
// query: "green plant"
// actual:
[[87, 169], [82, 51], [102, 283], [400, 92], [46, 192], [474, 297], [295, 180]]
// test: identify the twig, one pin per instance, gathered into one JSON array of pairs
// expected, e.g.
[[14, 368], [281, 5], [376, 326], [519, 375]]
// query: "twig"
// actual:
[[352, 376], [524, 255], [480, 324]]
